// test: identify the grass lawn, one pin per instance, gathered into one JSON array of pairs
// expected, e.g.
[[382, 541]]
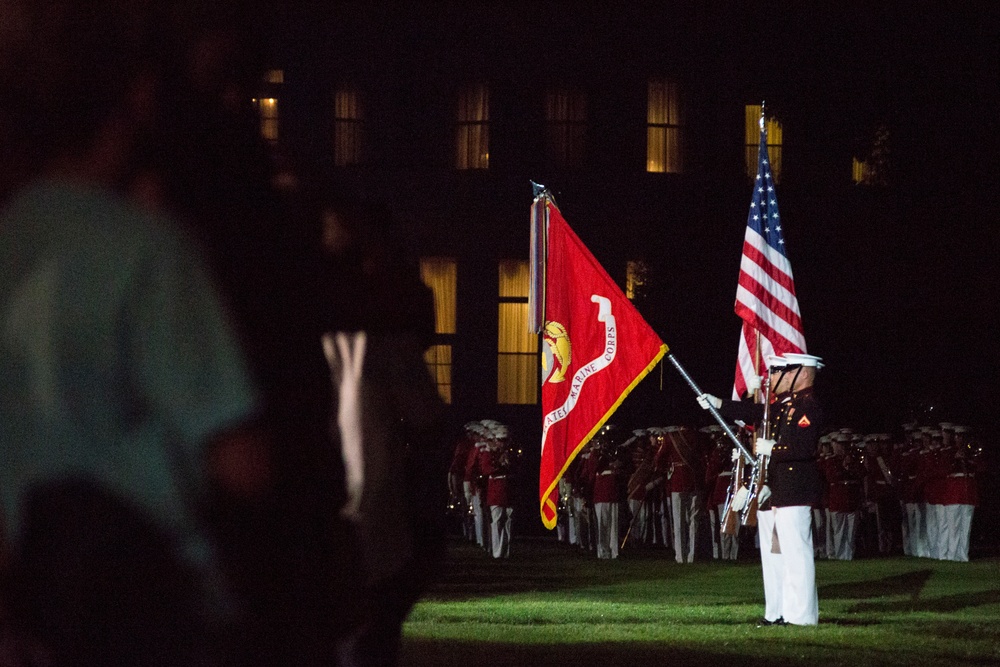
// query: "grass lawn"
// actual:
[[551, 604]]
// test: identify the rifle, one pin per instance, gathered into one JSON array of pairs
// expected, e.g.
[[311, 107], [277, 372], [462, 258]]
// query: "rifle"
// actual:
[[758, 477], [736, 499]]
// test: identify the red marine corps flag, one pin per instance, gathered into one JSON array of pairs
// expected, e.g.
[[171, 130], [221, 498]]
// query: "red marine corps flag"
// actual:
[[596, 345]]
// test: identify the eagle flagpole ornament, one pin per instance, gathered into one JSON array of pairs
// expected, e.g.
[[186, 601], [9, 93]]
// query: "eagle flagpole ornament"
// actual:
[[596, 345]]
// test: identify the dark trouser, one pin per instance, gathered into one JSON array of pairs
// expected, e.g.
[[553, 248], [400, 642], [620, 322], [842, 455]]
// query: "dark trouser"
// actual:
[[98, 584]]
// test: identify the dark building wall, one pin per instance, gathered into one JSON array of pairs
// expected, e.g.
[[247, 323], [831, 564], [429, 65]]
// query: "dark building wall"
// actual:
[[896, 284]]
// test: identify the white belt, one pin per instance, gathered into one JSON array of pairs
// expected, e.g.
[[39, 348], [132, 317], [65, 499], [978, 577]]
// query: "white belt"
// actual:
[[961, 474], [498, 476], [607, 472]]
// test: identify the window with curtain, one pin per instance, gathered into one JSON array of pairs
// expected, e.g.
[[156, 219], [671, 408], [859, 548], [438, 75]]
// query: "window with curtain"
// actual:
[[663, 128], [565, 128], [441, 275], [517, 349], [636, 278], [774, 139], [267, 107], [874, 169], [472, 128], [859, 171], [348, 126]]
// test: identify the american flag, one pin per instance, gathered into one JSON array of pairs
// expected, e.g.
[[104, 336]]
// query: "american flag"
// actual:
[[765, 296]]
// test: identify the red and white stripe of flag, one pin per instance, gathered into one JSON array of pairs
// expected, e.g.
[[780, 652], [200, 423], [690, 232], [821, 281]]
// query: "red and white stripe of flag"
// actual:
[[766, 302]]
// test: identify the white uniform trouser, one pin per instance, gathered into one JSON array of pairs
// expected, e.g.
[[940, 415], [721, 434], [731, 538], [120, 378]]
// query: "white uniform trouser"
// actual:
[[724, 547], [477, 511], [563, 519], [573, 519], [941, 522], [686, 515], [501, 530], [716, 529], [469, 526], [843, 532], [607, 529], [666, 536], [582, 519], [639, 530], [789, 577], [919, 533], [936, 529], [666, 520], [916, 525], [904, 530], [959, 522], [562, 528], [820, 547]]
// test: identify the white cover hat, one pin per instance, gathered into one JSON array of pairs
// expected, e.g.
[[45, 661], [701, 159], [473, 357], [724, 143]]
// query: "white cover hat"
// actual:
[[776, 361], [810, 360]]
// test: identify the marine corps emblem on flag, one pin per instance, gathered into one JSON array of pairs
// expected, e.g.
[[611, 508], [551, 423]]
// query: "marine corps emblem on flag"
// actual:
[[612, 349], [556, 353]]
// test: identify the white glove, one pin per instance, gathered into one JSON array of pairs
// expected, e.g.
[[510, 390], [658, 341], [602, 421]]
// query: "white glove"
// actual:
[[740, 499], [735, 455], [764, 446], [753, 383], [704, 400]]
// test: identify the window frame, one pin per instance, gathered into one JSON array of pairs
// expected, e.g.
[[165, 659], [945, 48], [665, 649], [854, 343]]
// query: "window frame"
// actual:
[[521, 395], [664, 119], [472, 128]]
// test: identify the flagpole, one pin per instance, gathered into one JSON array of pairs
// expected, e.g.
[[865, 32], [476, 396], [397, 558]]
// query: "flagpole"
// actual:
[[538, 258], [711, 408], [756, 362]]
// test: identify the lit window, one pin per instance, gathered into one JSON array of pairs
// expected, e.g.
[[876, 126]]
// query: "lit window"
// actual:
[[773, 127], [268, 109], [440, 274], [472, 129], [663, 129], [274, 76], [348, 122], [517, 348], [859, 171], [636, 279], [438, 360], [874, 169], [565, 127]]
